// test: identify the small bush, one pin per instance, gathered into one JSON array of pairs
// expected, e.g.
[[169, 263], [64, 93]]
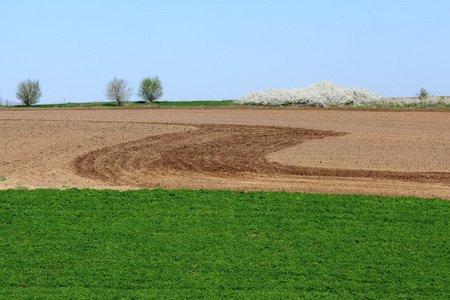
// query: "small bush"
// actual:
[[6, 102], [29, 92], [423, 94], [118, 90], [150, 89]]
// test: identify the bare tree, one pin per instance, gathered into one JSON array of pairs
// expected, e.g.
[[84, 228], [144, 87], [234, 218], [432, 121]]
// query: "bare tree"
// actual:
[[29, 92], [118, 90], [150, 89]]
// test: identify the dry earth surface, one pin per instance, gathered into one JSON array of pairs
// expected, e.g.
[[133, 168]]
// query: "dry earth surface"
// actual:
[[384, 152]]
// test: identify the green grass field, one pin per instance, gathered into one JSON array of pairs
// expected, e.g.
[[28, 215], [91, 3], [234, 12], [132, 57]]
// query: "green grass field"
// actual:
[[134, 104], [181, 244], [200, 103]]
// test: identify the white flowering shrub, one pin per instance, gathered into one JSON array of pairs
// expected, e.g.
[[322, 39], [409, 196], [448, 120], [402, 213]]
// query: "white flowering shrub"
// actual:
[[326, 93], [323, 93]]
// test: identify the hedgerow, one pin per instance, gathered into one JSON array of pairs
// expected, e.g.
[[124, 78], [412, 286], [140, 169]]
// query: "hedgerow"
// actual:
[[429, 101], [326, 93]]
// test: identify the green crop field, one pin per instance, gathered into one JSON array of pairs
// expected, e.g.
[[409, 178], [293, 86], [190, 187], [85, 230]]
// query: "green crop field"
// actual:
[[172, 244]]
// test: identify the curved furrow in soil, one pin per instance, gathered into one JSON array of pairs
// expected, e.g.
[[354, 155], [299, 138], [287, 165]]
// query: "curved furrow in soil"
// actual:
[[225, 151]]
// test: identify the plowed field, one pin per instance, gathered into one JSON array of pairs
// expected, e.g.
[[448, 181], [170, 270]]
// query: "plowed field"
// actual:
[[385, 152]]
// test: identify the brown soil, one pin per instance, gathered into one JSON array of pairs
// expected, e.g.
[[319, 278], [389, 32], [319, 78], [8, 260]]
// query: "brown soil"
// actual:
[[308, 150]]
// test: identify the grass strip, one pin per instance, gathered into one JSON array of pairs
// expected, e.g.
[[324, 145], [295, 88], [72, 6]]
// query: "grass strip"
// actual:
[[208, 103], [135, 104], [170, 244]]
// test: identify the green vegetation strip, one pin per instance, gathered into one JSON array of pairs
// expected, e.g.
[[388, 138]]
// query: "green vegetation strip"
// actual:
[[169, 244], [135, 104], [206, 103]]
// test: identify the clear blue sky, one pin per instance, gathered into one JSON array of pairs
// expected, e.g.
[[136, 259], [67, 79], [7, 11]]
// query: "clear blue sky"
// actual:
[[216, 50]]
